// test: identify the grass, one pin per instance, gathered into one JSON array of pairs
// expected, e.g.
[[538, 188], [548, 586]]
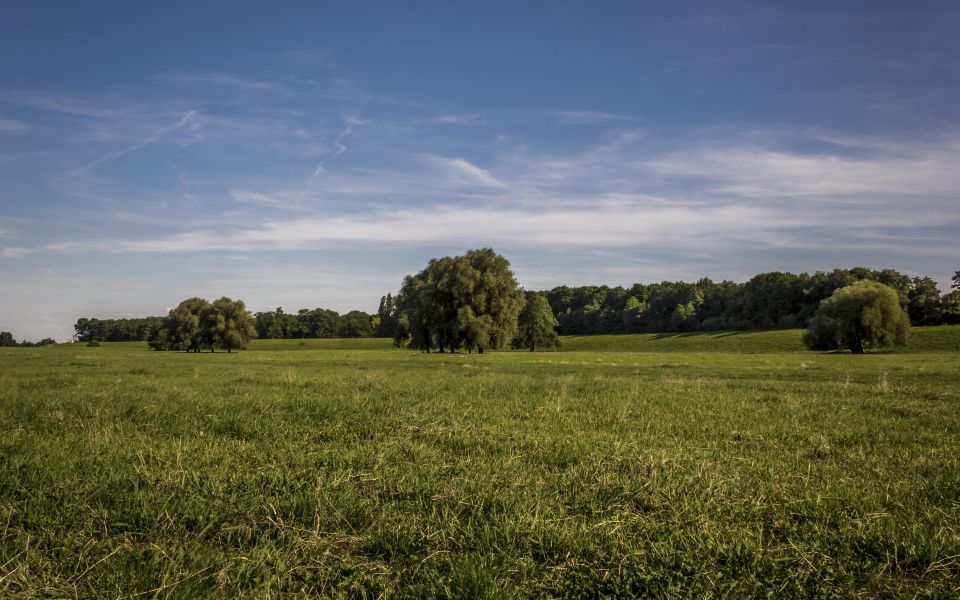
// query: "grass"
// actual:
[[623, 465]]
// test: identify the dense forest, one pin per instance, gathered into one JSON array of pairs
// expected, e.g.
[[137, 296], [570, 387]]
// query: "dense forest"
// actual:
[[767, 301]]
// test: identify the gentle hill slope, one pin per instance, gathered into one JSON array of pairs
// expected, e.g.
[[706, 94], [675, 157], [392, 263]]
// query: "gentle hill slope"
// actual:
[[944, 338]]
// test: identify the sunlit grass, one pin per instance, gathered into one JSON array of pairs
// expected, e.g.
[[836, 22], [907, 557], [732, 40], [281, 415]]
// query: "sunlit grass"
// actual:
[[589, 472]]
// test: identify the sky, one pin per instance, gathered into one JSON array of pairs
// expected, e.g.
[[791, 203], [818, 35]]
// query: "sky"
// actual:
[[310, 154]]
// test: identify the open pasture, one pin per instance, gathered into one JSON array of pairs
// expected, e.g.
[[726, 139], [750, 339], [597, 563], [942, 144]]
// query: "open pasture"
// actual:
[[706, 465]]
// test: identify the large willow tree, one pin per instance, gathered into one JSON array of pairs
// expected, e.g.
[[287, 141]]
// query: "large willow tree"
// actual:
[[859, 317], [459, 303]]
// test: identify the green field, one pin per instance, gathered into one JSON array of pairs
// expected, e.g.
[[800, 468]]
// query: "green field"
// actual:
[[698, 465]]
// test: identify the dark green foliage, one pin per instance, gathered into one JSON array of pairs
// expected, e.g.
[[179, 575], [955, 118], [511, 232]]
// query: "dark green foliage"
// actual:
[[115, 330], [355, 323], [184, 325], [387, 317], [950, 305], [536, 325], [93, 344], [925, 304], [196, 325], [462, 302], [313, 323], [767, 301], [227, 325], [277, 325], [859, 317], [7, 339]]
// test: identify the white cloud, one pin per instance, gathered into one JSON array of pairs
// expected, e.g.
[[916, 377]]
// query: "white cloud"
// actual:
[[14, 252], [604, 224], [463, 171], [758, 172]]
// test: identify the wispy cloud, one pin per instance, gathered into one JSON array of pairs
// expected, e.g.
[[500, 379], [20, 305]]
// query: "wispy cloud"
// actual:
[[219, 78], [463, 171], [66, 104], [901, 170], [591, 116], [599, 225], [14, 252], [460, 119], [339, 145], [13, 125]]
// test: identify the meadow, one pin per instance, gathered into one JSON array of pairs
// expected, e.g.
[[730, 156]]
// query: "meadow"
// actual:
[[681, 465]]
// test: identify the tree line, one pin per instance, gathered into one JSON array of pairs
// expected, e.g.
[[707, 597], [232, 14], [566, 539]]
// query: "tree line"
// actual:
[[774, 300], [8, 341], [314, 323], [767, 301], [115, 330], [276, 324]]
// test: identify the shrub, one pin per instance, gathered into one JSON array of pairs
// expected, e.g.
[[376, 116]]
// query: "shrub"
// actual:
[[93, 344]]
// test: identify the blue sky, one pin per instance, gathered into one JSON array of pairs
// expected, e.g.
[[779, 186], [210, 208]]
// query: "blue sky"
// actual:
[[304, 154]]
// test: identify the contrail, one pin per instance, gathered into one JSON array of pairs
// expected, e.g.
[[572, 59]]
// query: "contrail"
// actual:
[[159, 134], [339, 148]]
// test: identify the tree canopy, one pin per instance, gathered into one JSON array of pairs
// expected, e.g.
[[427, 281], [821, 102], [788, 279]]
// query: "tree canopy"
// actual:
[[461, 302], [858, 317], [536, 325], [196, 324]]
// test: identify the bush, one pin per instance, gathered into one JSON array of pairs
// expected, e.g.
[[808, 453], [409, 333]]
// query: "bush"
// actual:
[[858, 317], [93, 344]]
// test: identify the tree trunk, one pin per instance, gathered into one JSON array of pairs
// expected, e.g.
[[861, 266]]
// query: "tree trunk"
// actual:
[[480, 349]]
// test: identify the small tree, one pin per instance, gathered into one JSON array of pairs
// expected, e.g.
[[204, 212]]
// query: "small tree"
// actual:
[[864, 315], [536, 326]]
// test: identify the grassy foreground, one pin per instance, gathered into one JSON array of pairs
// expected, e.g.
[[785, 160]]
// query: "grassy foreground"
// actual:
[[360, 470]]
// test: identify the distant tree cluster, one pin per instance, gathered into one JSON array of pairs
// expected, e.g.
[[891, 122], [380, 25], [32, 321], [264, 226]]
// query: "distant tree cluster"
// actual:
[[115, 330], [197, 325], [459, 303], [7, 341], [314, 323], [767, 301]]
